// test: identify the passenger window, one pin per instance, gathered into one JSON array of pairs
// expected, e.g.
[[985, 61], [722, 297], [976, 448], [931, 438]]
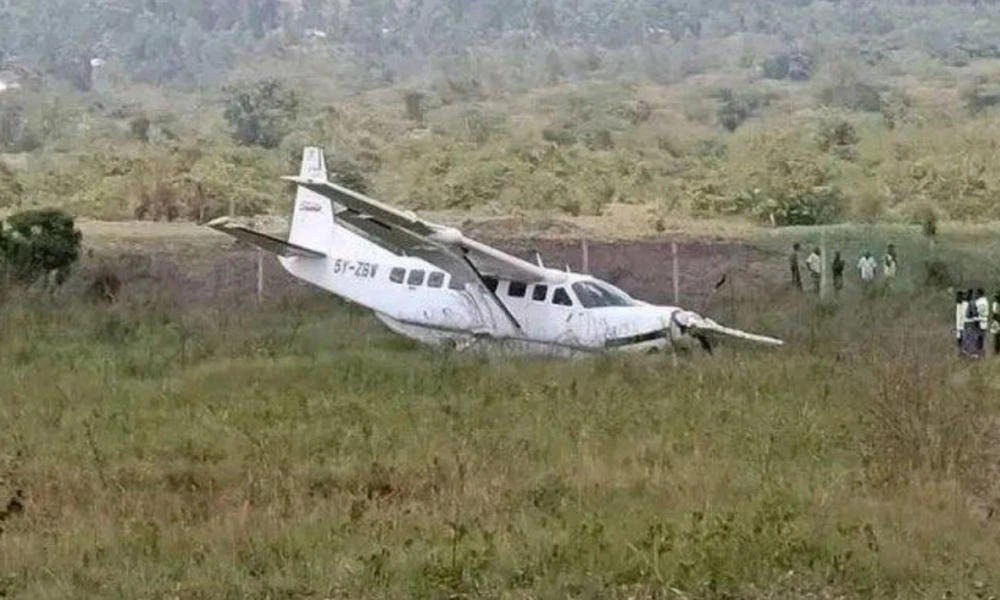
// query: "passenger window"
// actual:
[[561, 298], [540, 293], [416, 277], [435, 279], [491, 283], [397, 275], [456, 283], [517, 289]]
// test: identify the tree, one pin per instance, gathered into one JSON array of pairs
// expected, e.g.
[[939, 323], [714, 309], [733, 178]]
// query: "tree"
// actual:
[[40, 242], [260, 113], [11, 189]]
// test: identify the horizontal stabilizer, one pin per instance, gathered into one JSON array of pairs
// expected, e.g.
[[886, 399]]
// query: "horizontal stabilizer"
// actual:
[[263, 241]]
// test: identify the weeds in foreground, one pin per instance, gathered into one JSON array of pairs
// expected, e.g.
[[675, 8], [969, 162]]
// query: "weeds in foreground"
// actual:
[[277, 454]]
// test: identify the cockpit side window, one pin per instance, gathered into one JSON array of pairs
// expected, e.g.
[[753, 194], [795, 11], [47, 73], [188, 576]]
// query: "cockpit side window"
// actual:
[[435, 279], [561, 297], [589, 297], [593, 295], [491, 283]]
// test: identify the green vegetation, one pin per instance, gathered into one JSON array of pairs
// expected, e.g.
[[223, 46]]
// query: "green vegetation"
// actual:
[[299, 450], [784, 111], [39, 243]]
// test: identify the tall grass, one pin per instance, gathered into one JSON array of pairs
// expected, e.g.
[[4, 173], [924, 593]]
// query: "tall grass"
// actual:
[[301, 452]]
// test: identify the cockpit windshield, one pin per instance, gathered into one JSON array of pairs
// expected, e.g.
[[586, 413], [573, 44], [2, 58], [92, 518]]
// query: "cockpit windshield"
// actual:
[[595, 295]]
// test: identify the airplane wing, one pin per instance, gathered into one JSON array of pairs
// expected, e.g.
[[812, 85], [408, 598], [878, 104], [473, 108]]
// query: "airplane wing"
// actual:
[[443, 246]]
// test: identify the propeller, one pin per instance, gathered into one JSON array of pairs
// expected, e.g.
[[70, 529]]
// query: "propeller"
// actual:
[[698, 327]]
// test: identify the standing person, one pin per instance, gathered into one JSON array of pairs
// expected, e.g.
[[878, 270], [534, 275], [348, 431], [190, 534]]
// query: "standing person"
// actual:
[[815, 265], [983, 313], [961, 305], [838, 271], [995, 323], [970, 327], [793, 265], [866, 269], [889, 264]]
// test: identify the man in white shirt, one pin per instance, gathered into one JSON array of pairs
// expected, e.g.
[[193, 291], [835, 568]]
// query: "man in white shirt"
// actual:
[[983, 308], [815, 265], [961, 305], [995, 323], [866, 268]]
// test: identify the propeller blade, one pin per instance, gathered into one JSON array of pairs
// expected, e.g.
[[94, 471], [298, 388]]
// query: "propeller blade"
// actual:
[[700, 324]]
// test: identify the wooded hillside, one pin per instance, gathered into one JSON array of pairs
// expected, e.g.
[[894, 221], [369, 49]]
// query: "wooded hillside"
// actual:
[[785, 111]]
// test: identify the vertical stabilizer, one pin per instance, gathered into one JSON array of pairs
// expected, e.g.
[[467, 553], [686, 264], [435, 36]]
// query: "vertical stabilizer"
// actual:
[[313, 164], [312, 216]]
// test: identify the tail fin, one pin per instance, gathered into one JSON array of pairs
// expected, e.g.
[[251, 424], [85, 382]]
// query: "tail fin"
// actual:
[[312, 216]]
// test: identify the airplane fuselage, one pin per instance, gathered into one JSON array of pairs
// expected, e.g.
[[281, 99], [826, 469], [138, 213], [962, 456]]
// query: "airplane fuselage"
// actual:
[[414, 298]]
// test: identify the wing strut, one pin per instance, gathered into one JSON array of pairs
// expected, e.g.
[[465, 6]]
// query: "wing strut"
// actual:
[[503, 306]]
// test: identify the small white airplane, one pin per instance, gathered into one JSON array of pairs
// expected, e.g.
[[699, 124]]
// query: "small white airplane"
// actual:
[[434, 285]]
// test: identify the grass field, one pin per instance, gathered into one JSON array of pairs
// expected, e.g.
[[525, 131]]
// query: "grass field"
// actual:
[[299, 451]]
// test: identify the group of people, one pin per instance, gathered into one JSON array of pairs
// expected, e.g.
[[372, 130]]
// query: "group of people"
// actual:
[[975, 317], [867, 267]]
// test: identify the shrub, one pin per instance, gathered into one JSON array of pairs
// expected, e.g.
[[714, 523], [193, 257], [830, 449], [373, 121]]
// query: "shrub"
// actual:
[[853, 95], [814, 206], [260, 113], [105, 285], [797, 66], [348, 174], [414, 106], [735, 107], [139, 128], [18, 132], [11, 190], [40, 242], [928, 219], [836, 133], [938, 275], [776, 67], [979, 96]]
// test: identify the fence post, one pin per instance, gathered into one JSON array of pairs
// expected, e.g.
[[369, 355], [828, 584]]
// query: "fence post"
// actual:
[[824, 279], [677, 289], [260, 276]]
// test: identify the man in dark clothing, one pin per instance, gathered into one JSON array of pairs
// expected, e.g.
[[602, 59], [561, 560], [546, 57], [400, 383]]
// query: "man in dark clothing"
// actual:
[[838, 271], [793, 264]]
